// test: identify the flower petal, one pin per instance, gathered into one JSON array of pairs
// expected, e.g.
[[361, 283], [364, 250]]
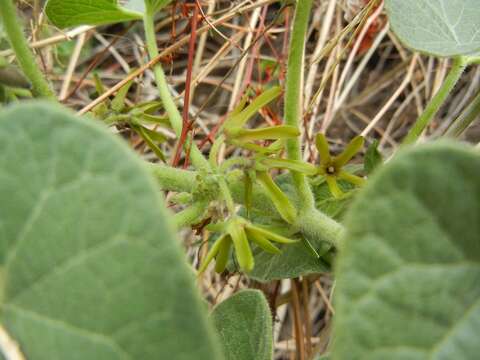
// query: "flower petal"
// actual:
[[350, 151], [323, 149], [333, 186]]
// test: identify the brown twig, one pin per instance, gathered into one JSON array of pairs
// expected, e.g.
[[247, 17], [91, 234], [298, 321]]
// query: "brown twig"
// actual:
[[297, 322]]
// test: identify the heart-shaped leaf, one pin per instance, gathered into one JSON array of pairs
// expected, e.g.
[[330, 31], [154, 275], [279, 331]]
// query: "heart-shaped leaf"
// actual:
[[408, 277], [244, 324], [66, 13], [439, 27], [90, 268]]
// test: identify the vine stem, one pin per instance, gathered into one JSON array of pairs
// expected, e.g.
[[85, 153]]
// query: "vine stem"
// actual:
[[294, 95], [24, 54], [310, 221], [173, 179], [179, 125], [174, 115], [316, 225], [458, 67]]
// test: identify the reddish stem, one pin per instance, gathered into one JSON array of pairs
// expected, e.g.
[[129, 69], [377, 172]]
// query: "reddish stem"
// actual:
[[187, 125]]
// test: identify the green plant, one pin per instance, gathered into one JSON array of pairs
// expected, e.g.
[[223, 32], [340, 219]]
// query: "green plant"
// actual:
[[65, 13], [82, 220], [244, 324], [409, 274], [213, 185], [91, 268], [26, 59], [443, 29]]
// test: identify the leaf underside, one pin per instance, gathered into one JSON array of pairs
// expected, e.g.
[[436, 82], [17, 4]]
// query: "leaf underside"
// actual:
[[408, 278], [244, 325], [445, 28], [90, 268], [67, 13]]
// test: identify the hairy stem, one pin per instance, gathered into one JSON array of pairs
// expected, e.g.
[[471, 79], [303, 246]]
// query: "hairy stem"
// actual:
[[459, 65], [191, 215], [294, 95], [173, 179], [312, 223], [174, 115], [468, 116], [316, 225], [24, 54]]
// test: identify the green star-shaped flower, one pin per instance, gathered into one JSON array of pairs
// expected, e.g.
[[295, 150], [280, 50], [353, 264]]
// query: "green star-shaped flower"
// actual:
[[331, 167]]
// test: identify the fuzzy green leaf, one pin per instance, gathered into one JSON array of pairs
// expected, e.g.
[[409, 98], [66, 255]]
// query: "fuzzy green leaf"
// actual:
[[294, 261], [244, 323], [445, 28], [86, 250], [67, 13], [408, 275]]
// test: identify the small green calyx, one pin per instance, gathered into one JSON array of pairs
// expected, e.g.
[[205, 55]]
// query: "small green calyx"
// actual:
[[332, 167], [240, 233], [235, 128]]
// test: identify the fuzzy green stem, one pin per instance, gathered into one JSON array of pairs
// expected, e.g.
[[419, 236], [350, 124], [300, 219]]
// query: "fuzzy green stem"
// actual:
[[173, 179], [294, 95], [468, 116], [190, 215], [316, 225], [459, 65], [24, 54], [174, 115]]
